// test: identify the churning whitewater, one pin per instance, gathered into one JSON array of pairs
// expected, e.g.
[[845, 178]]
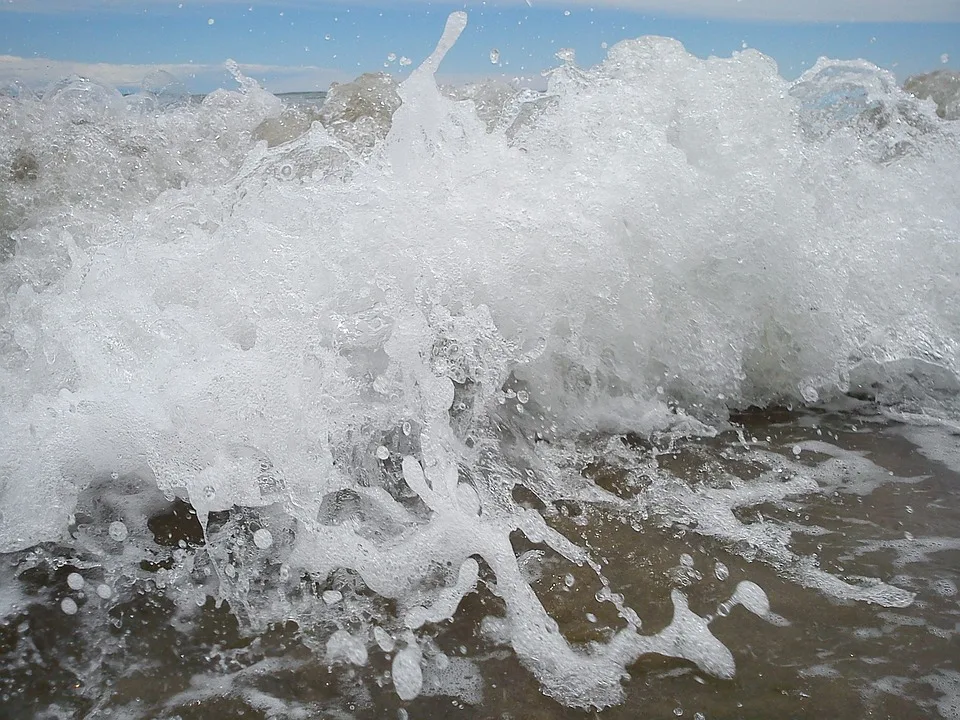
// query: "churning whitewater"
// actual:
[[375, 338]]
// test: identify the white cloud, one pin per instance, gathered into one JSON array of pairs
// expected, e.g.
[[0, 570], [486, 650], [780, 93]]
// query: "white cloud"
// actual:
[[776, 10], [40, 72]]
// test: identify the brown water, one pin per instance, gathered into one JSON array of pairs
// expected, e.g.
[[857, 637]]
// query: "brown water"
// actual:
[[888, 509]]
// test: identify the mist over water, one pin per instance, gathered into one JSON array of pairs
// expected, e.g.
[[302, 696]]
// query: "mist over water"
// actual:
[[378, 346]]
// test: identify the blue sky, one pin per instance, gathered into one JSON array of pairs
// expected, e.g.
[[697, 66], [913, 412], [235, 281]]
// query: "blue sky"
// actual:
[[303, 44]]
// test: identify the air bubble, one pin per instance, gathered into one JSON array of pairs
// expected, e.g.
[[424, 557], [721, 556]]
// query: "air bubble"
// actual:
[[68, 606], [118, 531], [75, 581], [809, 394]]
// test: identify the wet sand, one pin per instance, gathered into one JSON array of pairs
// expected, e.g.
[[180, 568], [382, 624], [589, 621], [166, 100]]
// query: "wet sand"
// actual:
[[138, 655]]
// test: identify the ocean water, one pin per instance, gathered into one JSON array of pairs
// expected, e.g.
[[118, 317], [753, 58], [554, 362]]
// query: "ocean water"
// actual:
[[636, 396]]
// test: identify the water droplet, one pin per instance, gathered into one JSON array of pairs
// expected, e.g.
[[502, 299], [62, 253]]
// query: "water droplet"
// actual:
[[209, 492], [230, 571], [797, 450], [211, 21], [262, 538], [686, 560], [699, 716], [678, 711], [331, 597], [405, 428], [945, 58], [392, 57], [568, 580], [75, 581], [68, 606], [384, 639], [118, 531], [724, 609], [383, 453], [523, 396], [104, 591], [721, 571], [566, 12], [591, 618], [114, 476], [494, 56], [406, 61], [809, 393], [908, 509]]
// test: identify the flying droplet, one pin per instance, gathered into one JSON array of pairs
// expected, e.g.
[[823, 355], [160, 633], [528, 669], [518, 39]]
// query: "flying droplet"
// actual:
[[211, 21], [392, 57], [566, 13], [384, 639], [406, 61], [75, 581], [945, 58], [118, 531], [494, 56], [721, 571], [68, 606], [262, 538]]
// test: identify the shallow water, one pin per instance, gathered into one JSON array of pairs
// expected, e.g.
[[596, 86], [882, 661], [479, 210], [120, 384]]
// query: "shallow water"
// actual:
[[886, 508], [432, 401]]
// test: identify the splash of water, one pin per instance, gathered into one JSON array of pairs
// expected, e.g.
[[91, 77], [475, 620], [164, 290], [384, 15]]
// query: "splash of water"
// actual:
[[375, 331]]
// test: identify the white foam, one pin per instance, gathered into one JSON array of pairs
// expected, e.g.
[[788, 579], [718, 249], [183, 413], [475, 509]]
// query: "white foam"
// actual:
[[250, 326]]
